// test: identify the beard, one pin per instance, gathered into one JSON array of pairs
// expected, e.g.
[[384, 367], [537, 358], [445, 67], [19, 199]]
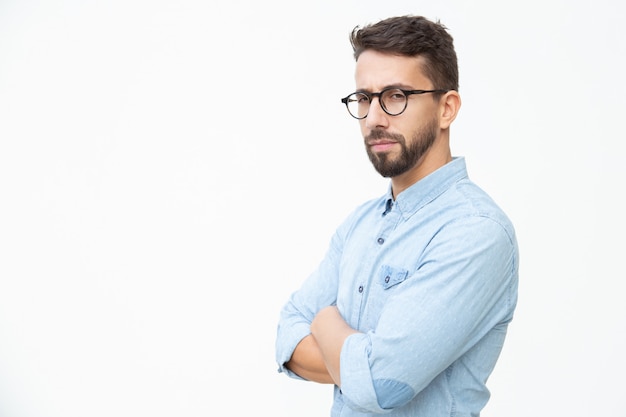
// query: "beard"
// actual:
[[389, 166]]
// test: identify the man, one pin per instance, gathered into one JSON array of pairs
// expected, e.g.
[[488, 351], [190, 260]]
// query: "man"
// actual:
[[408, 311]]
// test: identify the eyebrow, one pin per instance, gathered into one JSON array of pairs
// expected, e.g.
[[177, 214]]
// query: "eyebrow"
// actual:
[[387, 87]]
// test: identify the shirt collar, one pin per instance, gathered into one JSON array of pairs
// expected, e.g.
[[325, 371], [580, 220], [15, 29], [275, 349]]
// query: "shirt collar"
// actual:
[[428, 188]]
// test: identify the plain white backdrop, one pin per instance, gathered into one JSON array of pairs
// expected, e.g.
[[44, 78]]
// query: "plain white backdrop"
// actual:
[[171, 171]]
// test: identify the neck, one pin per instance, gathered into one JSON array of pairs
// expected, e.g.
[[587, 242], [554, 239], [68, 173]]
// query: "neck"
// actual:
[[435, 158]]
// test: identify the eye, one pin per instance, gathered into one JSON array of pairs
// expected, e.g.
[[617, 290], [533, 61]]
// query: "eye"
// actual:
[[361, 98], [395, 95]]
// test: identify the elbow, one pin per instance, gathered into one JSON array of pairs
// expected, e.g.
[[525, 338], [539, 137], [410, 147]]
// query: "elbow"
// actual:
[[385, 396], [392, 394]]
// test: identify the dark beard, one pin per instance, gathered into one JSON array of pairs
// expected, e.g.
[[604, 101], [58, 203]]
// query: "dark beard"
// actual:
[[409, 156]]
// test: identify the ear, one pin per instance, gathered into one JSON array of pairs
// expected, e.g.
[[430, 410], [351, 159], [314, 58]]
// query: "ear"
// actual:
[[449, 106]]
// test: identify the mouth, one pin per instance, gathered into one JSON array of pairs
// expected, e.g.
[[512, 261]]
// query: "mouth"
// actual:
[[381, 145]]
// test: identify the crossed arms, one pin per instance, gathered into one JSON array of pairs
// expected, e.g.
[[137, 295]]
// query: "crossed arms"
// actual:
[[316, 357]]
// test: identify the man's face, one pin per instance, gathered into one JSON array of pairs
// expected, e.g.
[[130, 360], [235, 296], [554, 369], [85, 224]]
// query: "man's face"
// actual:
[[396, 144]]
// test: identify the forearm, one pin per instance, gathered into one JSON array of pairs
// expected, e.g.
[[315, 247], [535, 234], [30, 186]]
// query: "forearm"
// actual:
[[307, 362], [330, 331]]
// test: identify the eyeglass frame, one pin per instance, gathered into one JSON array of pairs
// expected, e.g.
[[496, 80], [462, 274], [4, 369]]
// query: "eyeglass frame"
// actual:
[[370, 96]]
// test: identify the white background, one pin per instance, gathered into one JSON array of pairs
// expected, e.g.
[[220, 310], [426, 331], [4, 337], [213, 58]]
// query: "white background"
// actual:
[[171, 170]]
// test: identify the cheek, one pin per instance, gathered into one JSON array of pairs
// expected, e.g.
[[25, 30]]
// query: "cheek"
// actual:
[[412, 123]]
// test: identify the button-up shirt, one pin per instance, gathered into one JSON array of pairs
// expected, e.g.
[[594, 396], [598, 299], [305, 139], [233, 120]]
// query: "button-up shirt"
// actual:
[[430, 282]]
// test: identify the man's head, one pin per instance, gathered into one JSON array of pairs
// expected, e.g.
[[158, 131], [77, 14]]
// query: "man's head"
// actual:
[[406, 78]]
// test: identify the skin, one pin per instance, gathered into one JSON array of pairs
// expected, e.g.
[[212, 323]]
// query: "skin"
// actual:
[[317, 356]]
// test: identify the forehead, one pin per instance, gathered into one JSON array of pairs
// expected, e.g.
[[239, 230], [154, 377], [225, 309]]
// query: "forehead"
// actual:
[[375, 71]]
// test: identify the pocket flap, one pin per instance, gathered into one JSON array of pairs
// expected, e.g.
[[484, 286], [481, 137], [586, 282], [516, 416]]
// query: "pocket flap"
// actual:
[[390, 276]]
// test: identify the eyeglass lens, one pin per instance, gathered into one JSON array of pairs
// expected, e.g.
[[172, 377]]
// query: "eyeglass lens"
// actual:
[[393, 101]]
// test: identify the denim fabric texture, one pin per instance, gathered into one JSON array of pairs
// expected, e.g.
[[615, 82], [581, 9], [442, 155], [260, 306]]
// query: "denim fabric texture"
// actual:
[[430, 281]]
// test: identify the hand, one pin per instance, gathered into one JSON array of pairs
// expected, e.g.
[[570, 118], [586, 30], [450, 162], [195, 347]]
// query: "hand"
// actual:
[[324, 316]]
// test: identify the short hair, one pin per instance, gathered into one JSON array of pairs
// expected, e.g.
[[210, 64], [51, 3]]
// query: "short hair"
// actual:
[[412, 36]]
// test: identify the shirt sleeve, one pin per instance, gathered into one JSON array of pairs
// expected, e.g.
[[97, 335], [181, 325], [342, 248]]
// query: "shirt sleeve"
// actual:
[[319, 290], [464, 287]]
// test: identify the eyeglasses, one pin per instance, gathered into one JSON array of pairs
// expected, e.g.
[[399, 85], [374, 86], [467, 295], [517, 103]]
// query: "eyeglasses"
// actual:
[[392, 100]]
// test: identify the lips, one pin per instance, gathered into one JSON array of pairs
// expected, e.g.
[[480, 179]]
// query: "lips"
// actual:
[[381, 145]]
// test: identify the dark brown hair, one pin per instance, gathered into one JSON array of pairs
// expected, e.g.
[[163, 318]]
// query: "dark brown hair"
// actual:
[[412, 36]]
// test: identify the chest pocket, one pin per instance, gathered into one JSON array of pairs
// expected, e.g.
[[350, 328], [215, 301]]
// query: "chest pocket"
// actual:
[[390, 276]]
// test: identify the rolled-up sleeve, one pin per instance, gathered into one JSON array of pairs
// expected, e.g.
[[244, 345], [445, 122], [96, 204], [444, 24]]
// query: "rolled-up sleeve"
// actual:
[[319, 290]]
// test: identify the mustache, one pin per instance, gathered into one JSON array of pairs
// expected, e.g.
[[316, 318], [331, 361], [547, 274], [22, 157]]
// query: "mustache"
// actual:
[[378, 134]]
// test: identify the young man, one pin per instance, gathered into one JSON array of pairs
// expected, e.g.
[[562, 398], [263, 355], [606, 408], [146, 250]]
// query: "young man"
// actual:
[[408, 311]]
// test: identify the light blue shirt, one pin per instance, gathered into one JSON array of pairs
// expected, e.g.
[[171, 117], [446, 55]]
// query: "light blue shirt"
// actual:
[[430, 280]]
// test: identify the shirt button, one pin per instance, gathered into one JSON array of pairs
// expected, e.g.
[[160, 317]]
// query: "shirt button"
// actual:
[[380, 240], [361, 288], [387, 278]]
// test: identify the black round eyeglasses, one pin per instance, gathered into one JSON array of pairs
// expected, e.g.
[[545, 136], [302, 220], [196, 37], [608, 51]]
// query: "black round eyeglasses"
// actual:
[[393, 101]]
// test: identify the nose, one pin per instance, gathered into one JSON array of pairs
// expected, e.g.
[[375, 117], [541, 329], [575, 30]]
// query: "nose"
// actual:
[[376, 116]]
